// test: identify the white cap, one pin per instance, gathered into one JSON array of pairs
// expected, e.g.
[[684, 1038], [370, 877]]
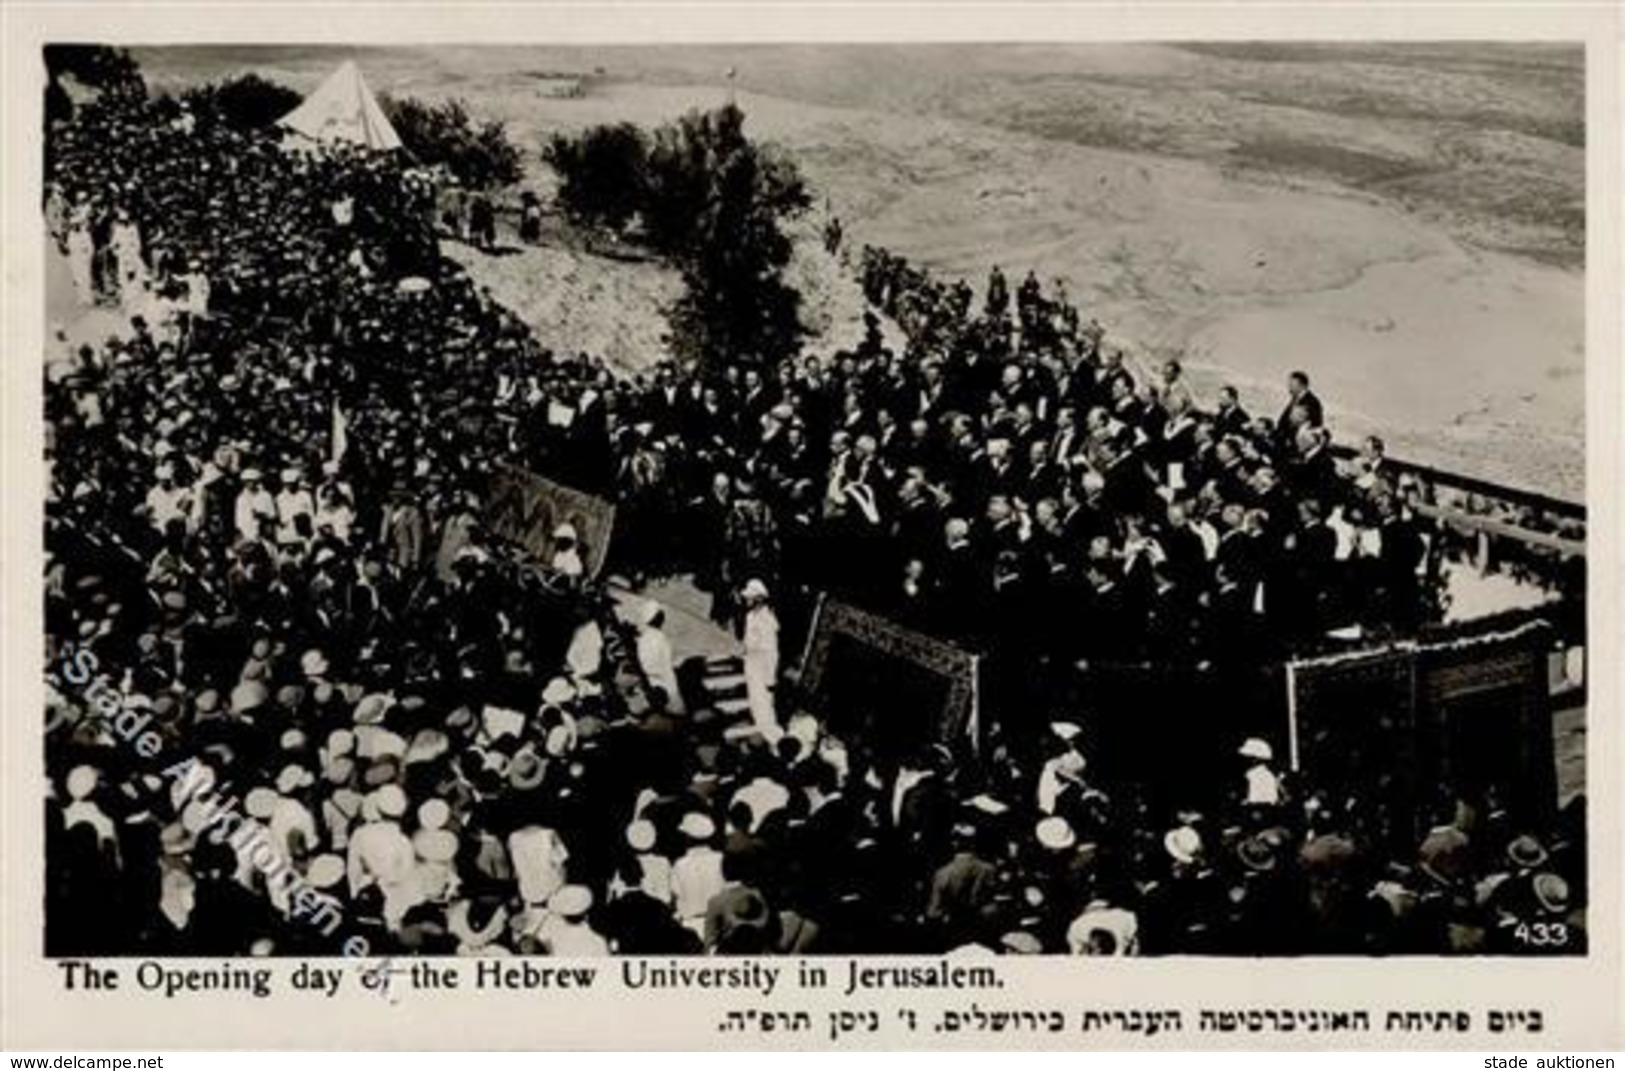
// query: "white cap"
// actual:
[[697, 826], [570, 901], [1182, 843], [260, 802], [340, 742], [558, 691], [435, 845], [390, 800], [1255, 748], [560, 740], [640, 835], [754, 589], [325, 871], [194, 816], [82, 781], [292, 778], [433, 814], [1056, 834]]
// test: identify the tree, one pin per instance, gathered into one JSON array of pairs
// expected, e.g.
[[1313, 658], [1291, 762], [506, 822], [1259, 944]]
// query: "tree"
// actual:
[[726, 198], [711, 201], [96, 66], [481, 157], [111, 70], [602, 173], [247, 102]]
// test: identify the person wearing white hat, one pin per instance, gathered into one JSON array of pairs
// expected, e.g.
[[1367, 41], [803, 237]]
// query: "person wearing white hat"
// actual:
[[292, 826], [380, 854], [1060, 772], [254, 504], [82, 254], [655, 654], [335, 513], [293, 502], [654, 870], [168, 500], [125, 243], [196, 281], [696, 876], [761, 658], [340, 744], [538, 855], [1104, 930], [1263, 786], [764, 797], [339, 811], [315, 903], [81, 783], [435, 872], [564, 930]]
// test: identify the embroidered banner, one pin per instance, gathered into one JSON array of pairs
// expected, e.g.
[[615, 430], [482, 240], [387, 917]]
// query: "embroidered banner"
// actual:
[[530, 510], [895, 688]]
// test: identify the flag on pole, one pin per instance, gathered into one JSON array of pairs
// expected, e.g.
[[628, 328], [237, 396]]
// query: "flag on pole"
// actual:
[[341, 433]]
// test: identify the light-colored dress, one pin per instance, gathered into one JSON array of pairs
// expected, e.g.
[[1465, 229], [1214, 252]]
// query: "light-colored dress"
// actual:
[[762, 666]]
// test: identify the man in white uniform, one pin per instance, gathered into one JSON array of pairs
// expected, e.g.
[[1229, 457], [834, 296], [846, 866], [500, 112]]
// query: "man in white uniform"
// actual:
[[761, 657], [655, 655]]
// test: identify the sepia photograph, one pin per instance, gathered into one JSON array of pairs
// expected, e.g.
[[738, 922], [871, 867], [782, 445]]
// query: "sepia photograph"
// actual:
[[952, 500]]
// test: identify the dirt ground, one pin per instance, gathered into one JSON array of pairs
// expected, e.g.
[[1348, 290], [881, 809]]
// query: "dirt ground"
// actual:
[[1406, 224]]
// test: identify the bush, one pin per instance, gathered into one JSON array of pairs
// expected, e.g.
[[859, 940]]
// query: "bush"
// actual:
[[247, 102], [480, 157]]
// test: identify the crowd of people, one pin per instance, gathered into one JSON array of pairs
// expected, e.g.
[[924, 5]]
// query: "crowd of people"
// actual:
[[265, 540]]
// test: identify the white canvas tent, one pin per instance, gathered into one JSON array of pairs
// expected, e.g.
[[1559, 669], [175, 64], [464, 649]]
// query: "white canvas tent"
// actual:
[[343, 109]]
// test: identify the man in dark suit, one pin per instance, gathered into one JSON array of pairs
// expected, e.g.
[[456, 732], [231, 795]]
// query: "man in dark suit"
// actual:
[[1230, 418], [1302, 409], [1186, 554], [1044, 477], [1313, 471]]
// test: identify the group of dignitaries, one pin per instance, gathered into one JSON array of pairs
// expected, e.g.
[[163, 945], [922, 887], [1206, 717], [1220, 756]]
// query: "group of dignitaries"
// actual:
[[293, 677]]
